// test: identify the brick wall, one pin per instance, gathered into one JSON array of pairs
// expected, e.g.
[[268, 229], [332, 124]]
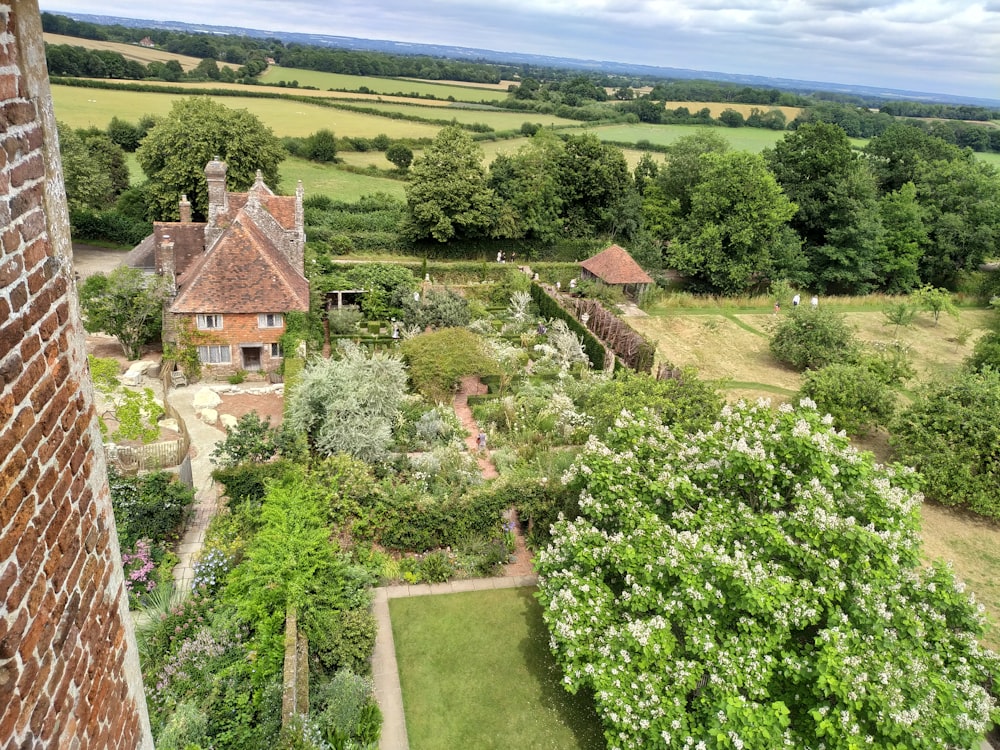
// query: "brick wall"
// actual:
[[69, 669], [241, 329]]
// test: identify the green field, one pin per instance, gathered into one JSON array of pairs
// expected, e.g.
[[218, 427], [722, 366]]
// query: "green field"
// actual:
[[407, 87], [497, 119], [321, 179], [82, 108], [476, 672]]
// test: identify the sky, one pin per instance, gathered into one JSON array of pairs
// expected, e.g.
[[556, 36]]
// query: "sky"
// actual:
[[939, 46]]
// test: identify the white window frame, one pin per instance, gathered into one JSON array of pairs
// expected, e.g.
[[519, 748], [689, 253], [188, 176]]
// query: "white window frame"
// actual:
[[277, 320], [276, 352], [215, 354], [210, 322]]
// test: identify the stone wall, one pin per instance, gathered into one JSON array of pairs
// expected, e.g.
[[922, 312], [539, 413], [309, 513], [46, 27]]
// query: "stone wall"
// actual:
[[69, 668]]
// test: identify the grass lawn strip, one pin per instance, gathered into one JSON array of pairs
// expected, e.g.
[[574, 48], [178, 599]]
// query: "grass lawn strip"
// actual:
[[476, 672]]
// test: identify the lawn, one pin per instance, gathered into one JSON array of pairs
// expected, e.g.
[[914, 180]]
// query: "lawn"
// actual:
[[385, 86], [476, 672], [81, 108]]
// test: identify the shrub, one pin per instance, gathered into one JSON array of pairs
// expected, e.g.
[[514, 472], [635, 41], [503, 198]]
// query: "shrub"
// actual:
[[345, 641], [344, 709], [855, 396], [438, 360], [760, 582], [252, 439], [813, 338], [151, 506], [344, 320], [950, 435]]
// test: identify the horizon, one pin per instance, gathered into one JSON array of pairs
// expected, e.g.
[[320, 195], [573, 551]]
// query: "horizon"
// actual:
[[915, 45]]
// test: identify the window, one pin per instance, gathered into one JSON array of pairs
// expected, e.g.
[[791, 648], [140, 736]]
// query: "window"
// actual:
[[276, 350], [209, 323], [214, 355], [270, 320]]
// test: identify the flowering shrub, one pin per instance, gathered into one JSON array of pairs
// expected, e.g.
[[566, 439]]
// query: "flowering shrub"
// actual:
[[139, 568], [211, 569], [758, 584]]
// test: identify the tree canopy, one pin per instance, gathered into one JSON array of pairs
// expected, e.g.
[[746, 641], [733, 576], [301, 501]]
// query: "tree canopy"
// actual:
[[175, 151], [447, 193], [759, 585], [126, 304]]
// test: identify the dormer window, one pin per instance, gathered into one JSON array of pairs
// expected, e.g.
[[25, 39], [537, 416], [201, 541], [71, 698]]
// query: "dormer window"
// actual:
[[210, 322]]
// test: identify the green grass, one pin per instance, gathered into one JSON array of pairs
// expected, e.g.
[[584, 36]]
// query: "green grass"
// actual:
[[476, 672], [498, 119], [82, 108], [381, 85], [320, 179]]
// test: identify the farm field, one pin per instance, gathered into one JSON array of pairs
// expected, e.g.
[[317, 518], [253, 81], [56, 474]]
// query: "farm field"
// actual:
[[144, 55], [476, 672], [497, 119], [81, 108], [717, 108], [321, 179], [384, 86]]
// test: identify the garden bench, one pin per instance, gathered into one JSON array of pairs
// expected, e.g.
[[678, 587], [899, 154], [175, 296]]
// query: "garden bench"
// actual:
[[178, 378]]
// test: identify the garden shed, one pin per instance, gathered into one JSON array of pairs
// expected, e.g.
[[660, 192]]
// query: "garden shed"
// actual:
[[615, 267]]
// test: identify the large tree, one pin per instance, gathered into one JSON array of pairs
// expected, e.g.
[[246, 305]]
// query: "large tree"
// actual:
[[448, 196], [174, 153], [88, 183], [667, 199], [759, 585], [596, 188], [126, 304], [837, 217], [527, 181], [736, 234]]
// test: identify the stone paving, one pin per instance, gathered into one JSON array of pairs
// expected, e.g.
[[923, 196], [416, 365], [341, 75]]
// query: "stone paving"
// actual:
[[206, 497]]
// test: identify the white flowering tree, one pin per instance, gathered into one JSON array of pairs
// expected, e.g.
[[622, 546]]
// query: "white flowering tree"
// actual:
[[759, 585]]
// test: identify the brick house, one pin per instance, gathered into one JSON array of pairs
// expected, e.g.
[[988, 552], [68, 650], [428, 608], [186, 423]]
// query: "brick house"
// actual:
[[615, 267], [235, 277]]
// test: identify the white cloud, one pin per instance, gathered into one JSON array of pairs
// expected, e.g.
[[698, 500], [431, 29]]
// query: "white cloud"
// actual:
[[947, 46]]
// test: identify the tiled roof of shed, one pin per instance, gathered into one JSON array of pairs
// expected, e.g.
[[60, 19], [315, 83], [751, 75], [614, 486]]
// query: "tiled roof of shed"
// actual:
[[242, 273], [615, 266]]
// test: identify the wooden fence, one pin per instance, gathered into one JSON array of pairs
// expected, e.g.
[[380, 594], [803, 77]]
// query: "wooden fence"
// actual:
[[166, 454]]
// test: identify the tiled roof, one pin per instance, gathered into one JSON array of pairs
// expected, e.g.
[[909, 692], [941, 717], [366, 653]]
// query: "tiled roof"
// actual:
[[615, 266], [188, 238], [242, 273], [142, 255]]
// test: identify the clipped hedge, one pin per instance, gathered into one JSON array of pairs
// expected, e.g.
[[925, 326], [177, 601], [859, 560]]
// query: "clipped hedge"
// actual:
[[549, 308]]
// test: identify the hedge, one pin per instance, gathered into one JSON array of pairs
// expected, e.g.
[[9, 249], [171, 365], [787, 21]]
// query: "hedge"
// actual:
[[108, 226], [549, 308]]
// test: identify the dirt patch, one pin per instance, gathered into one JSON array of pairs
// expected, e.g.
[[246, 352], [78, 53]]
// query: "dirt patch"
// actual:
[[88, 259], [267, 405]]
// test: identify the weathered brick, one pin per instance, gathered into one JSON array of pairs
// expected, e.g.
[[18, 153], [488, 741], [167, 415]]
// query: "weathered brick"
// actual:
[[18, 296], [33, 227], [10, 269], [32, 168]]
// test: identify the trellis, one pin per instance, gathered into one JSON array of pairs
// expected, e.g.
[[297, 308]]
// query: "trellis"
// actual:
[[633, 349]]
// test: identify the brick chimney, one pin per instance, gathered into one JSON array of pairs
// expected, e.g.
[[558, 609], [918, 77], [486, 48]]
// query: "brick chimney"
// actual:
[[218, 200], [185, 206]]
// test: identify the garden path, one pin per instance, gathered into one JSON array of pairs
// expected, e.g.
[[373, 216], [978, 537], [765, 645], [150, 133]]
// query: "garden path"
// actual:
[[206, 497], [471, 385]]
